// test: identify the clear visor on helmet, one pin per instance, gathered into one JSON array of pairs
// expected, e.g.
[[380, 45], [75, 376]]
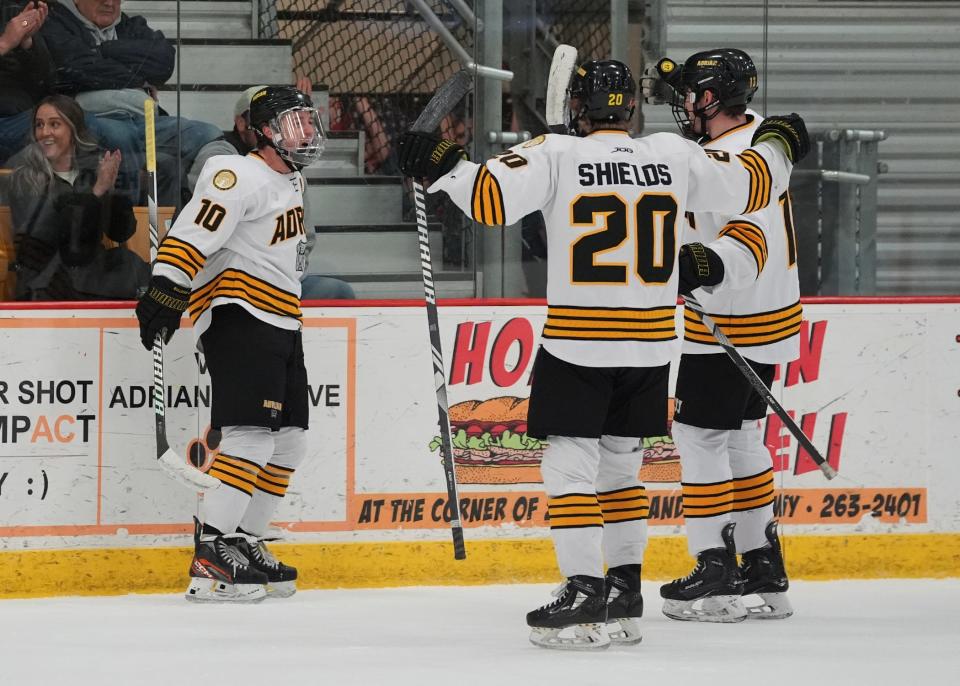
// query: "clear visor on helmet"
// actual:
[[298, 135]]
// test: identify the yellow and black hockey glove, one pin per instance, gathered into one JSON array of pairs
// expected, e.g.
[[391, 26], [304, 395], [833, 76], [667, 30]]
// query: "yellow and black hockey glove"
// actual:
[[423, 155], [660, 83], [160, 309], [699, 266], [789, 131]]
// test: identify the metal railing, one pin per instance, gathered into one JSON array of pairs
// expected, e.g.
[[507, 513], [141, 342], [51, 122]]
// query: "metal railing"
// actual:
[[834, 194]]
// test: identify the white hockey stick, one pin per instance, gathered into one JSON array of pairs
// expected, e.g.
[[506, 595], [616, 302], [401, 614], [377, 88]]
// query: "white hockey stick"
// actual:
[[761, 388], [561, 69], [174, 465], [449, 94]]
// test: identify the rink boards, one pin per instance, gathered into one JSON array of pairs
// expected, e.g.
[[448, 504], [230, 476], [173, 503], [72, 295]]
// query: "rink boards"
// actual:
[[84, 508]]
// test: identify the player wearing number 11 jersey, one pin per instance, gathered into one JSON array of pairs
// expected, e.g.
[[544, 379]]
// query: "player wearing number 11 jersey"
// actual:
[[612, 206], [727, 470], [233, 260]]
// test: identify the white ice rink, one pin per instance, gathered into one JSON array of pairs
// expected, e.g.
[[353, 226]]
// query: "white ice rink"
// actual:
[[854, 633]]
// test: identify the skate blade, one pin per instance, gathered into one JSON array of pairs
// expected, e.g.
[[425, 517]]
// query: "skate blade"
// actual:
[[577, 637], [719, 609], [624, 632], [213, 591], [281, 589], [773, 606]]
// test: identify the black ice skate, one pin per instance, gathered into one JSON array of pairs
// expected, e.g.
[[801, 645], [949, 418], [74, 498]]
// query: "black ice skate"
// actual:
[[281, 578], [624, 604], [576, 620], [221, 573], [711, 592], [764, 574]]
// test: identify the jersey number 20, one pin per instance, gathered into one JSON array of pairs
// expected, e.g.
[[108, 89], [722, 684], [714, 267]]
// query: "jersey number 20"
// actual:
[[654, 227]]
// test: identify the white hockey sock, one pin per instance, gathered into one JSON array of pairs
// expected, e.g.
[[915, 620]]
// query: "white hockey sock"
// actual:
[[290, 447], [623, 500], [243, 451], [569, 470], [753, 486], [707, 484]]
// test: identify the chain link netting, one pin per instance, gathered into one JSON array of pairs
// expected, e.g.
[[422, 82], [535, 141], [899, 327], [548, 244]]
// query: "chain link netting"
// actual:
[[382, 62], [379, 60]]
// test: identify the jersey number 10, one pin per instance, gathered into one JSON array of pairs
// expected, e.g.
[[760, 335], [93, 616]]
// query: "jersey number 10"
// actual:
[[653, 224]]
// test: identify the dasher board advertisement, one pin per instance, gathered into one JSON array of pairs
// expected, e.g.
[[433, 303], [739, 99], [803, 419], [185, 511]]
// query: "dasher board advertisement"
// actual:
[[875, 387]]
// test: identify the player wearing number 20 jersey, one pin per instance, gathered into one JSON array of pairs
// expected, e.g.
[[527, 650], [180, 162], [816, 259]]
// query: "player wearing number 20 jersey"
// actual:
[[613, 207], [614, 210]]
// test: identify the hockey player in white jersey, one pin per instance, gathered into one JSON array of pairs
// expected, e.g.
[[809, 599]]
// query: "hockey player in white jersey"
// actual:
[[727, 470], [612, 206], [233, 259]]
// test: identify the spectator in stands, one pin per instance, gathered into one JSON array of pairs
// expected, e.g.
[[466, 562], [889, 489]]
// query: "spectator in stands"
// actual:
[[27, 75], [357, 114], [111, 61], [63, 203]]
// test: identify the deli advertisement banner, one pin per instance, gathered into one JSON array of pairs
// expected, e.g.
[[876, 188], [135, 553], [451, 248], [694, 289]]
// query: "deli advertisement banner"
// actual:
[[875, 388]]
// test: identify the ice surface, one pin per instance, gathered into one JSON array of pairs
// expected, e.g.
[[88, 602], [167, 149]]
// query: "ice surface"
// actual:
[[897, 632]]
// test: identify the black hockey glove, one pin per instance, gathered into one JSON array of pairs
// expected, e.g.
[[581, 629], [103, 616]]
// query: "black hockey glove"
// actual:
[[789, 131], [160, 309], [423, 155], [699, 266]]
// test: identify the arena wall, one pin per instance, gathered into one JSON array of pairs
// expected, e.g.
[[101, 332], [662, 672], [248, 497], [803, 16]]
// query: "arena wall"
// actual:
[[84, 508]]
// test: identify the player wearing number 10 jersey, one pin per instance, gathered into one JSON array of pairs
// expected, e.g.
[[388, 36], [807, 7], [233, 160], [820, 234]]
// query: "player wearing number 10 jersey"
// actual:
[[233, 259], [612, 206]]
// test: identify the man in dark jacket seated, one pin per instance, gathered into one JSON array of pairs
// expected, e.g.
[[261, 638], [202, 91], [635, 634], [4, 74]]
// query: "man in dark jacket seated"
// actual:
[[110, 62], [27, 75]]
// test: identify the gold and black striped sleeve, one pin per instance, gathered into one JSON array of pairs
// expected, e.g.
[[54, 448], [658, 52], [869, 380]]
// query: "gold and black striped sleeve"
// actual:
[[751, 236], [487, 201], [761, 181], [182, 255]]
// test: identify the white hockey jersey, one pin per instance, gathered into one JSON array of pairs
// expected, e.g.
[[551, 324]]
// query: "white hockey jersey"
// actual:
[[613, 207], [240, 239], [758, 303]]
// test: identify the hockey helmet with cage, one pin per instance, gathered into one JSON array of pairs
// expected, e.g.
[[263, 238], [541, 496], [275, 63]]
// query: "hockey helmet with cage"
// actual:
[[295, 129], [728, 73], [604, 90]]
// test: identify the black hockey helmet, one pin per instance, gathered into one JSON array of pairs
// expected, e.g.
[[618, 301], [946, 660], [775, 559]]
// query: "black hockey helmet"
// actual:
[[297, 134], [605, 90], [728, 73]]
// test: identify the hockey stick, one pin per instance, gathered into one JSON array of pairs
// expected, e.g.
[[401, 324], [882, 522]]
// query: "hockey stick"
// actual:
[[561, 69], [449, 94], [760, 387], [173, 464]]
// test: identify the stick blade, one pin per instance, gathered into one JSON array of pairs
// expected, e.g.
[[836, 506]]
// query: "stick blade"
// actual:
[[448, 94], [192, 478], [561, 70]]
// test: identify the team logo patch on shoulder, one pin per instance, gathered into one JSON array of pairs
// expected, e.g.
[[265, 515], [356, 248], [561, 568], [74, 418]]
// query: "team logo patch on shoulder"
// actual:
[[536, 141], [224, 179]]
